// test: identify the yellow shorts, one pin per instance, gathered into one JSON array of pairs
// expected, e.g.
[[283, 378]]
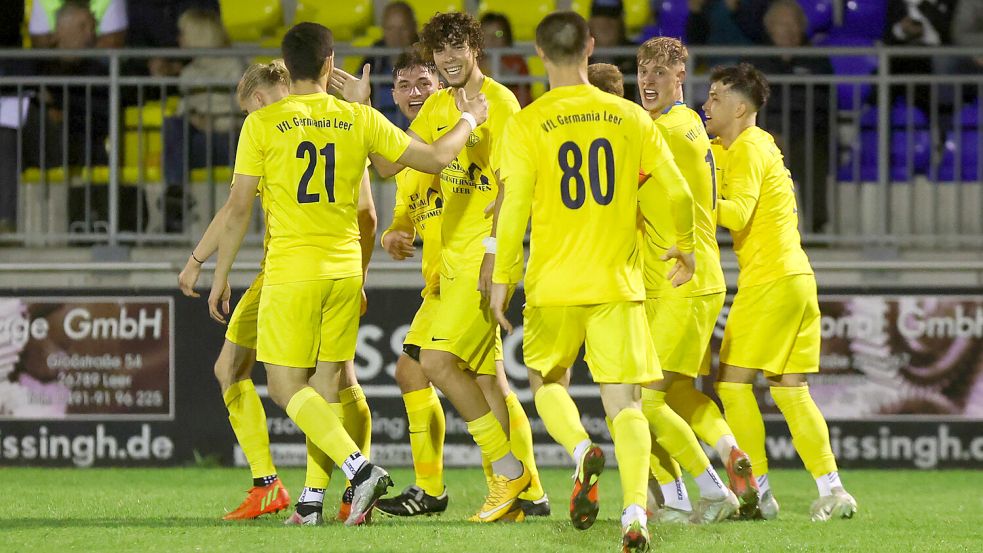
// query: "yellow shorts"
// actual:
[[242, 324], [619, 348], [774, 327], [681, 329], [301, 323], [419, 332], [462, 325]]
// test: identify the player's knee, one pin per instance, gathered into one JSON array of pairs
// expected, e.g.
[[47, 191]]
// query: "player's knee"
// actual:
[[409, 375], [792, 380], [223, 372]]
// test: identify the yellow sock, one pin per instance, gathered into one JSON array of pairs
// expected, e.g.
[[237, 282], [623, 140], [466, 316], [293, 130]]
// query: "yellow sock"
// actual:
[[664, 468], [358, 417], [744, 418], [486, 467], [672, 433], [560, 416], [248, 420], [490, 437], [426, 427], [319, 465], [312, 414], [520, 435], [699, 411], [810, 435], [632, 446]]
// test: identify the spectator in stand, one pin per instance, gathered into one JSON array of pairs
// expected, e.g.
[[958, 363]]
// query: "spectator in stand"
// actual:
[[110, 17], [726, 22], [399, 30], [10, 37], [967, 31], [498, 34], [206, 111], [917, 23], [785, 25], [154, 24], [607, 26]]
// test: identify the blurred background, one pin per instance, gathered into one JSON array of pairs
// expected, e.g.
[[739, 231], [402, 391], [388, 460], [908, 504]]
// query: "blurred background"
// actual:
[[118, 126]]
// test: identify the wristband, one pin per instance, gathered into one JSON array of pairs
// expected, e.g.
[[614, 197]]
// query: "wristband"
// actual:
[[200, 262], [470, 119], [491, 245]]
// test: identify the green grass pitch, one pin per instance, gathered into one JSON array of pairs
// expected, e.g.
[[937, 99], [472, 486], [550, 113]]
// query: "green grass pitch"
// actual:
[[150, 510]]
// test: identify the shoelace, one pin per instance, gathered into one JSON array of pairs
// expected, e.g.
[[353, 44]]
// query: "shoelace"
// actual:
[[497, 490]]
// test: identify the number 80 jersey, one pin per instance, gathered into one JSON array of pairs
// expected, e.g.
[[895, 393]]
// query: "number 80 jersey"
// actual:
[[571, 160], [311, 150]]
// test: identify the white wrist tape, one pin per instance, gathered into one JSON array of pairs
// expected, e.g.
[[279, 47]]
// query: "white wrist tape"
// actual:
[[491, 245], [470, 119]]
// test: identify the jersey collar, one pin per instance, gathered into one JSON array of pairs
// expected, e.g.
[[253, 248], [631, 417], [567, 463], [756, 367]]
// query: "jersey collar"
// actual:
[[674, 104]]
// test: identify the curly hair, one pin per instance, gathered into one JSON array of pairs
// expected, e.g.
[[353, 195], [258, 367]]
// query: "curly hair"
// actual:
[[449, 29], [662, 50], [746, 79], [262, 75]]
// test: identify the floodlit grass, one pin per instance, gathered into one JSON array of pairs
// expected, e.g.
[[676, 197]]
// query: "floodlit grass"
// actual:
[[149, 510]]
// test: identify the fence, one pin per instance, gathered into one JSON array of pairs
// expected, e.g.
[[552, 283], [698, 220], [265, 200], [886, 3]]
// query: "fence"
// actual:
[[879, 158]]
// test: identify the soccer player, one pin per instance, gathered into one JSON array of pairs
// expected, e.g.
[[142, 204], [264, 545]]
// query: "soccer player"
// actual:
[[462, 333], [773, 325], [262, 85], [681, 319], [607, 77], [572, 161], [310, 151]]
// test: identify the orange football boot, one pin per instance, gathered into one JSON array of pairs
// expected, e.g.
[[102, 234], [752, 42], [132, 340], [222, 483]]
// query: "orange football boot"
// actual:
[[261, 500]]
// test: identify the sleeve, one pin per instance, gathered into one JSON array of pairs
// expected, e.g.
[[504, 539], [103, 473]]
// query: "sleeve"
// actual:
[[739, 193], [655, 149], [115, 19], [40, 21], [421, 124], [249, 152], [384, 138], [518, 178], [657, 161], [401, 216]]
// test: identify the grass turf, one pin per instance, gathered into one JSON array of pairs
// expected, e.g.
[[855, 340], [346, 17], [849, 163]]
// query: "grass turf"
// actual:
[[151, 510]]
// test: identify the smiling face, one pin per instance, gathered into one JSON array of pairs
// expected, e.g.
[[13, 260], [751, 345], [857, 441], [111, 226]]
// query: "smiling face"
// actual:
[[455, 62], [411, 87], [659, 84], [722, 108]]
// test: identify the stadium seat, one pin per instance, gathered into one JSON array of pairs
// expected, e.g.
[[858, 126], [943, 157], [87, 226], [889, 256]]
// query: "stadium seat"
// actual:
[[250, 20], [851, 96], [864, 18], [425, 9], [962, 148], [537, 69], [638, 13], [910, 146], [353, 63], [819, 14], [672, 18], [524, 16], [345, 19]]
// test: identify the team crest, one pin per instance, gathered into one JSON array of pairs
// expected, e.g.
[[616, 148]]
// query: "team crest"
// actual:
[[473, 139]]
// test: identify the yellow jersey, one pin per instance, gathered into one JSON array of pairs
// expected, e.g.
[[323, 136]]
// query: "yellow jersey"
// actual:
[[572, 160], [418, 209], [683, 131], [757, 204], [468, 183], [311, 151]]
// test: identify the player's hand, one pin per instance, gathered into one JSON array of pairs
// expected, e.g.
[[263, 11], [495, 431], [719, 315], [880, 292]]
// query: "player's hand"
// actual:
[[499, 302], [684, 267], [477, 106], [218, 300], [485, 276], [353, 89], [399, 245], [365, 303], [188, 278]]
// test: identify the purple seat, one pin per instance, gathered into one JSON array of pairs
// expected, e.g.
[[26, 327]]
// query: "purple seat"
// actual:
[[864, 18], [671, 20], [966, 137], [908, 125], [851, 96], [819, 14]]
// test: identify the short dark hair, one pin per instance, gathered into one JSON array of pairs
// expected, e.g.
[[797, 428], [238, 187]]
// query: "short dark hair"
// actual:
[[607, 77], [746, 79], [410, 59], [305, 47], [501, 19], [563, 36], [451, 28]]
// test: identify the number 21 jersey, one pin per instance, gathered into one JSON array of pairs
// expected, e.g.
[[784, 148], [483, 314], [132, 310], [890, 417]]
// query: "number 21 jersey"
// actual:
[[311, 150]]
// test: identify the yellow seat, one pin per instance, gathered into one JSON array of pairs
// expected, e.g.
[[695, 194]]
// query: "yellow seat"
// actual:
[[151, 113], [249, 20], [345, 19], [55, 175], [222, 174], [425, 9], [353, 63], [536, 69], [637, 13], [273, 42], [524, 16]]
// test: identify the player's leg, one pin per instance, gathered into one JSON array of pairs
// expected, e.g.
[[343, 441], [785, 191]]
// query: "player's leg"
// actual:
[[534, 500], [357, 420]]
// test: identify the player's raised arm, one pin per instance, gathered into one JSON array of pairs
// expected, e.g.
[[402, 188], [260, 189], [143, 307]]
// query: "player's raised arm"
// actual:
[[239, 208], [432, 158]]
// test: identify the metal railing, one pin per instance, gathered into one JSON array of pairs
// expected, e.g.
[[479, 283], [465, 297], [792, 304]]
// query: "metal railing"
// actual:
[[878, 159]]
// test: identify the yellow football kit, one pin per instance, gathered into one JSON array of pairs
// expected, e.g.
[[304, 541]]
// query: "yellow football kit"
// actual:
[[312, 150], [245, 315], [571, 160], [461, 325], [774, 322], [681, 320]]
